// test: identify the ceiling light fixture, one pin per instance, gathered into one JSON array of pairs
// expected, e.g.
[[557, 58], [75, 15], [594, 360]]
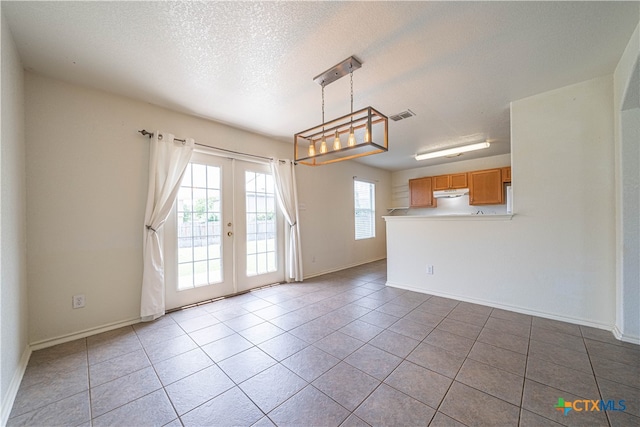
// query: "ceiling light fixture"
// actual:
[[367, 128], [453, 151]]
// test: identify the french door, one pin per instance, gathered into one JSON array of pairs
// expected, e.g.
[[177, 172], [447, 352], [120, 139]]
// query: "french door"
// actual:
[[224, 234]]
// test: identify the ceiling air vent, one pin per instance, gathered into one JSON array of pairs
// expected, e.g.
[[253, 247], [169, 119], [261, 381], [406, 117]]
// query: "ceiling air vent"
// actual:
[[403, 115]]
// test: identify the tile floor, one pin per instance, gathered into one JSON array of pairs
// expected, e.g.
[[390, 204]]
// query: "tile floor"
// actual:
[[337, 350]]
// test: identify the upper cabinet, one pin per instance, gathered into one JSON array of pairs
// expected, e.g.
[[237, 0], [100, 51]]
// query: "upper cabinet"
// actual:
[[448, 182], [485, 187], [421, 193], [506, 174]]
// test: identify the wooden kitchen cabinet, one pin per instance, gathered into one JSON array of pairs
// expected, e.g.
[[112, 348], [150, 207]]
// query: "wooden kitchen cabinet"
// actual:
[[485, 187], [421, 193], [448, 182], [506, 174]]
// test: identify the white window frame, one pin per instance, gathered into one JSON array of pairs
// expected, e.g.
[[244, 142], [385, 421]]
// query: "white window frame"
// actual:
[[371, 208]]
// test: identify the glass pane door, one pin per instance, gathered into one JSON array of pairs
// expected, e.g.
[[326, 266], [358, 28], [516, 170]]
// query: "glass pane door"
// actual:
[[199, 254], [199, 210], [224, 235], [260, 243]]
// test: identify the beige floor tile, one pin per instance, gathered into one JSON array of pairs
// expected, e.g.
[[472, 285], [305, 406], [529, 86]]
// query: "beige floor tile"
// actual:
[[507, 327], [569, 380], [436, 359], [411, 329], [152, 409], [420, 383], [361, 330], [111, 395], [231, 408], [394, 343], [473, 407], [282, 346], [491, 380], [462, 329], [348, 393], [309, 407], [379, 319], [452, 343], [542, 399], [194, 390], [611, 390], [271, 387], [279, 348], [389, 407], [246, 364], [502, 340], [226, 347], [373, 361], [497, 357], [73, 410], [182, 365], [561, 356], [441, 420], [60, 386], [310, 363], [339, 345]]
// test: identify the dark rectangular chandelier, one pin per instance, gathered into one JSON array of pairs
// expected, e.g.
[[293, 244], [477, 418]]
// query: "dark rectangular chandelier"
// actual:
[[360, 133]]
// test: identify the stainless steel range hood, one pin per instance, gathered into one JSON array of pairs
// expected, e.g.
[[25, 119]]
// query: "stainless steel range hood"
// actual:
[[450, 193]]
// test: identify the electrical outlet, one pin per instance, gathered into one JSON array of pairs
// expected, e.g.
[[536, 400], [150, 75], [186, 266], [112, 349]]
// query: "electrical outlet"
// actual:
[[429, 269], [78, 301]]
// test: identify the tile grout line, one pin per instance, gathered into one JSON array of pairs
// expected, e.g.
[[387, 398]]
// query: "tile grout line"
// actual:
[[458, 371], [524, 375], [343, 290], [595, 378]]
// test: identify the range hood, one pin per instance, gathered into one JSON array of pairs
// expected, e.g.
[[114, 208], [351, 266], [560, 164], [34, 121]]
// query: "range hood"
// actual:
[[450, 193]]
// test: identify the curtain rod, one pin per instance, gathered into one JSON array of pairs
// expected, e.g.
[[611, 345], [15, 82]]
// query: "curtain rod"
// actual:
[[150, 135]]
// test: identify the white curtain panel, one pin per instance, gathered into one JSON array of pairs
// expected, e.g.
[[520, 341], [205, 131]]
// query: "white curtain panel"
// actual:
[[168, 160], [284, 175]]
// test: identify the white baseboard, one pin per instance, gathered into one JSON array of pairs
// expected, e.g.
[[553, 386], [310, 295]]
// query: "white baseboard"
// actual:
[[38, 345], [517, 309], [9, 398], [343, 267], [625, 337]]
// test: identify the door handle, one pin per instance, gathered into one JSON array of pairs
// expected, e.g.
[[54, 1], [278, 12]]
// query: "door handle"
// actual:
[[229, 233]]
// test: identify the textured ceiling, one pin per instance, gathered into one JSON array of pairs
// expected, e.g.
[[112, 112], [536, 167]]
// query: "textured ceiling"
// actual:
[[457, 65]]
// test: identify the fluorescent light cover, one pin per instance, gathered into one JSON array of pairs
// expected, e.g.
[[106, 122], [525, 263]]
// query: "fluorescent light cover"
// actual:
[[451, 151]]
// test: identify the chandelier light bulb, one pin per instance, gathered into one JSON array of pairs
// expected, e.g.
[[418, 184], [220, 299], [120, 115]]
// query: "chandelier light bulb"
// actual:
[[367, 137], [312, 149], [323, 145], [352, 138], [337, 144]]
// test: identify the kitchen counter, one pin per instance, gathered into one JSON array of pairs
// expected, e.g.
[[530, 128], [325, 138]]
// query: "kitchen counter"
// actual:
[[454, 217]]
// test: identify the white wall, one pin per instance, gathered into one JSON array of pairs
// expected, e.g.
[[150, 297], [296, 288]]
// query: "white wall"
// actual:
[[556, 256], [326, 194], [13, 273], [458, 205], [87, 179], [626, 81]]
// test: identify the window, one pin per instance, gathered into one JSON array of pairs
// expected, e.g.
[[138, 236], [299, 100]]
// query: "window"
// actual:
[[365, 209], [199, 213], [261, 224]]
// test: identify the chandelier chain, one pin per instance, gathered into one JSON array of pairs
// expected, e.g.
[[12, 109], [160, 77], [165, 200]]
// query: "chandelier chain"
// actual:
[[323, 103], [351, 76]]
